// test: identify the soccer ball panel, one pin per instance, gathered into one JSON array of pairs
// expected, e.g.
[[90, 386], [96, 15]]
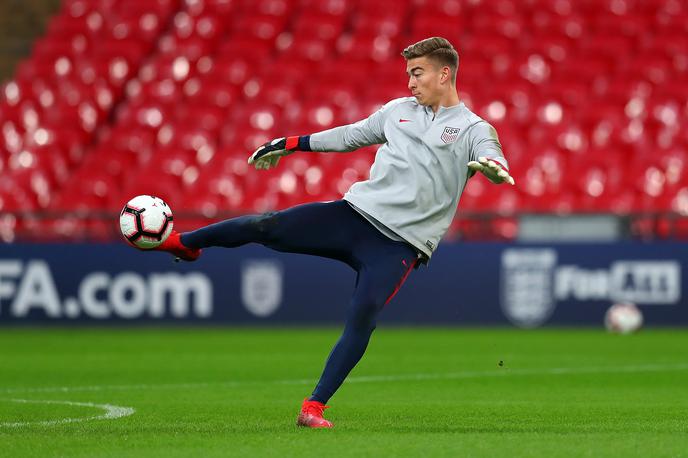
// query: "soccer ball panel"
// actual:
[[146, 221], [153, 221], [127, 224]]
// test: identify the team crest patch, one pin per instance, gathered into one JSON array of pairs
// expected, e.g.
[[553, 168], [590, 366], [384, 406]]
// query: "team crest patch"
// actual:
[[450, 134], [261, 287]]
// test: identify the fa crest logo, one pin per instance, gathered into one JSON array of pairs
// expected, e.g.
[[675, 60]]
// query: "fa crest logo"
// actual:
[[450, 134], [261, 287], [527, 296]]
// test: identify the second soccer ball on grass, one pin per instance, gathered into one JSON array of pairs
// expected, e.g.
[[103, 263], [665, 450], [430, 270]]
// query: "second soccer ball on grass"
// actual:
[[623, 318]]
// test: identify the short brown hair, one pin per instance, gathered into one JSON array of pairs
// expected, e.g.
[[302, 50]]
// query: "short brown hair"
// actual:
[[437, 48]]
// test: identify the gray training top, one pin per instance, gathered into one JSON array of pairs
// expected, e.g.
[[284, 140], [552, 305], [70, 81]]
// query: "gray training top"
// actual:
[[419, 171]]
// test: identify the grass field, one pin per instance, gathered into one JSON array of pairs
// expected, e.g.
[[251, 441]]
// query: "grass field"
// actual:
[[417, 392]]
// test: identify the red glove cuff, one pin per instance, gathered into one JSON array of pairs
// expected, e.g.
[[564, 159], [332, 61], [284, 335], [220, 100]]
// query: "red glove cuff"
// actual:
[[292, 143]]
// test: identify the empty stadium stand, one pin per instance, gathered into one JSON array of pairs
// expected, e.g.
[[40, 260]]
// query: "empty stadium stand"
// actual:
[[169, 97]]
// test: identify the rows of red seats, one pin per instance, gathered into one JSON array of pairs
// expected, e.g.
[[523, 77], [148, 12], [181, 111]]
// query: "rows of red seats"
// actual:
[[169, 97]]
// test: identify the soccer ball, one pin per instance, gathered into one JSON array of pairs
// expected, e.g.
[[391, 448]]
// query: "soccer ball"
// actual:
[[146, 221], [623, 318]]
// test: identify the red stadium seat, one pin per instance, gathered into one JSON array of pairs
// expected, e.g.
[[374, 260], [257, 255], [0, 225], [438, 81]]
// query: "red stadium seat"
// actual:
[[321, 27], [429, 25], [390, 24], [263, 28], [330, 7], [198, 116], [160, 8], [192, 48], [88, 24], [244, 49], [307, 49], [384, 7], [272, 90], [165, 91], [449, 10], [215, 95], [340, 93], [368, 48], [267, 7], [176, 68], [315, 116]]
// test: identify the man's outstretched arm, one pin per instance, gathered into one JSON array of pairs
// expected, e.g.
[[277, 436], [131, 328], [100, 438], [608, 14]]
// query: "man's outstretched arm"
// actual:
[[369, 131]]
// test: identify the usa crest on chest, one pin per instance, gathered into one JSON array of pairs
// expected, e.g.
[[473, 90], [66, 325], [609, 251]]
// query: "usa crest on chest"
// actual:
[[450, 134]]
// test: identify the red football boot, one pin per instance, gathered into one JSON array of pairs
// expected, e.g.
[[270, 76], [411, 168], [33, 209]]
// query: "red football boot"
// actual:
[[173, 244], [311, 415]]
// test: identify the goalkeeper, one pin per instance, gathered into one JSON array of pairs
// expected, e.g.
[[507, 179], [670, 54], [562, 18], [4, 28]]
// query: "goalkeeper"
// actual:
[[384, 226]]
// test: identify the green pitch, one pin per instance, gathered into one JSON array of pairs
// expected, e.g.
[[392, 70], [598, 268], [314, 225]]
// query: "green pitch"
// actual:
[[417, 392]]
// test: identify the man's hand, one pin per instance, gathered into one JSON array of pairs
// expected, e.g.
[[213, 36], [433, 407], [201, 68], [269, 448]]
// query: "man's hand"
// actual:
[[492, 170], [268, 155]]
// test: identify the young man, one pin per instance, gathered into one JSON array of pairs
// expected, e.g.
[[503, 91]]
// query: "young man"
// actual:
[[386, 225]]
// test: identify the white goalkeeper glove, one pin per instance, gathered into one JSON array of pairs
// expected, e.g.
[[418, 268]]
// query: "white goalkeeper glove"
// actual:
[[492, 170], [269, 154]]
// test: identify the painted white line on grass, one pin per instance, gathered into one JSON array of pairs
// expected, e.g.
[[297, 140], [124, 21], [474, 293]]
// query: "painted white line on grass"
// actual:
[[505, 372], [111, 412], [497, 372]]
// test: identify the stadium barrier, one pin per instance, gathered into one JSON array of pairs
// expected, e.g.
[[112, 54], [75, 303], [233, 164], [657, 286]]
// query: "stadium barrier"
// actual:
[[526, 285], [90, 225]]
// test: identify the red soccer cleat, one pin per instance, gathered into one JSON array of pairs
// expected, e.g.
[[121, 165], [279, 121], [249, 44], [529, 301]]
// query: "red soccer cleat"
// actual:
[[173, 244], [311, 415]]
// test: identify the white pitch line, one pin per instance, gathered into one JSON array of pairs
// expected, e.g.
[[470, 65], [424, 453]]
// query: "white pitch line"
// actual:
[[500, 372], [111, 413], [504, 372]]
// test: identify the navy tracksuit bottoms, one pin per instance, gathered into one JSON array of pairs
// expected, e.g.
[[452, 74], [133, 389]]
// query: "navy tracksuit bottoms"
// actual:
[[337, 231]]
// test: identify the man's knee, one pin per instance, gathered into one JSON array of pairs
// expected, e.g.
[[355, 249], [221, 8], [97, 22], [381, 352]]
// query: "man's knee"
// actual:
[[364, 314], [264, 225]]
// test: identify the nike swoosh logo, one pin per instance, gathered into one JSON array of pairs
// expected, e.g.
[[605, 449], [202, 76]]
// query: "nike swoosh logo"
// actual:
[[405, 120]]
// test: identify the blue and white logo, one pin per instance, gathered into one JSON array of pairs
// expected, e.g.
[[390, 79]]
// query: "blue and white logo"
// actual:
[[532, 283], [526, 285], [261, 287]]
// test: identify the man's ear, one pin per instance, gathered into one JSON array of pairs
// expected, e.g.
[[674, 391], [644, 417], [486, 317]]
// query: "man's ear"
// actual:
[[446, 74]]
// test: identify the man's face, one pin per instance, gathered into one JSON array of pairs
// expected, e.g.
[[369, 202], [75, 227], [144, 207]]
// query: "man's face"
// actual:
[[425, 80]]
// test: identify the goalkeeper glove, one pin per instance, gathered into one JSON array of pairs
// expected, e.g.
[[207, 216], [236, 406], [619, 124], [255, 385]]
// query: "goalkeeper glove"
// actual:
[[492, 170], [269, 154]]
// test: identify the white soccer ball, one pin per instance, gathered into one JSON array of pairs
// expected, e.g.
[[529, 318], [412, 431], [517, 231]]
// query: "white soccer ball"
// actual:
[[623, 318], [146, 221]]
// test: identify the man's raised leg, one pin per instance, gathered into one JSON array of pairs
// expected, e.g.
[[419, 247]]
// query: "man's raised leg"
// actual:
[[319, 229]]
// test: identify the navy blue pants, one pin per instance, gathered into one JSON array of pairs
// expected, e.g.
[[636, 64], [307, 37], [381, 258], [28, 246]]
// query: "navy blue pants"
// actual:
[[332, 230]]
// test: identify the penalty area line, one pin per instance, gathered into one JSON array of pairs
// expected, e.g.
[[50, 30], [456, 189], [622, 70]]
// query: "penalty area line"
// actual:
[[498, 372], [111, 412]]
